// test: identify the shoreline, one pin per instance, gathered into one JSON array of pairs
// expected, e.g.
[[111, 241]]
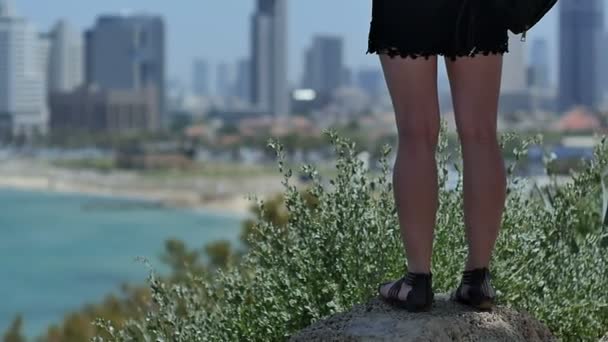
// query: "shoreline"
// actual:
[[230, 207], [216, 196]]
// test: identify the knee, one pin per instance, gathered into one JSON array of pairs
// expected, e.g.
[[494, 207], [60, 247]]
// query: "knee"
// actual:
[[419, 135], [477, 134]]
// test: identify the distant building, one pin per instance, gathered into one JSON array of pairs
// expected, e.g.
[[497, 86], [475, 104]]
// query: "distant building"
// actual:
[[324, 65], [200, 78], [242, 85], [307, 101], [538, 77], [514, 66], [605, 66], [232, 117], [23, 62], [347, 77], [578, 119], [514, 95], [128, 53], [371, 80], [66, 58], [581, 32], [95, 109], [224, 78], [269, 86]]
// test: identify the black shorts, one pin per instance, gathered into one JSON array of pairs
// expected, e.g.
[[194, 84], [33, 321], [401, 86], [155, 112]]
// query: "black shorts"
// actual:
[[423, 28]]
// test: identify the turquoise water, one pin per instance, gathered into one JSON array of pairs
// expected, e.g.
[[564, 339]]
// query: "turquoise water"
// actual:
[[59, 252]]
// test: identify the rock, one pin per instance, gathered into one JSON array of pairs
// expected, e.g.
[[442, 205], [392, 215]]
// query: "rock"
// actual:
[[447, 321], [605, 338]]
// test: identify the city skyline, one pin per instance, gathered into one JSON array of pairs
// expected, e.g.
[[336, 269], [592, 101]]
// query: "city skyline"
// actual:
[[234, 42], [266, 60]]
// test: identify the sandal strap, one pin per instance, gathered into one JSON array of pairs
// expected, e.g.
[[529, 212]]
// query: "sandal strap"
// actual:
[[414, 278], [411, 279], [393, 292], [476, 276]]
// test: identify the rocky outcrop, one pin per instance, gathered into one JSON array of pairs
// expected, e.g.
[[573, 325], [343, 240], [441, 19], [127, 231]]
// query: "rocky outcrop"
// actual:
[[447, 321]]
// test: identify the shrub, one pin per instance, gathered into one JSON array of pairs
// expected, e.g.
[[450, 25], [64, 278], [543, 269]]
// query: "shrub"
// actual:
[[341, 239]]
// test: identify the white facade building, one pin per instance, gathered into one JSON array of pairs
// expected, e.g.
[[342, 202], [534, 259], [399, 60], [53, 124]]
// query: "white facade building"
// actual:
[[66, 58], [515, 95], [23, 56], [514, 78]]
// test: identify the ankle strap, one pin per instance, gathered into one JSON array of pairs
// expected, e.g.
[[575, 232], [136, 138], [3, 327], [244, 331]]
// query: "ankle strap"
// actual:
[[412, 278], [475, 276]]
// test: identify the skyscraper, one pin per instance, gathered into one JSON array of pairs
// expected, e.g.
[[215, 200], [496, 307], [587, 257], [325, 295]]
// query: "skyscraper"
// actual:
[[539, 64], [347, 76], [224, 80], [243, 79], [23, 60], [66, 58], [269, 88], [605, 65], [514, 66], [128, 53], [200, 77], [514, 95], [581, 33], [324, 64]]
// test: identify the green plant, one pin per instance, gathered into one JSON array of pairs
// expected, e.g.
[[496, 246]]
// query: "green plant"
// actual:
[[332, 252], [14, 334]]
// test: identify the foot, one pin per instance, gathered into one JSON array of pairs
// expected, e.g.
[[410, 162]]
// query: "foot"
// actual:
[[412, 292], [476, 290], [398, 285]]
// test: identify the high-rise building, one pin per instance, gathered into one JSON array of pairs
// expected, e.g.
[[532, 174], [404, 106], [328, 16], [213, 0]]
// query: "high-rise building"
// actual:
[[23, 61], [243, 79], [128, 53], [515, 95], [200, 77], [581, 32], [539, 65], [347, 76], [371, 80], [514, 74], [66, 58], [269, 87], [605, 65], [324, 65], [224, 80]]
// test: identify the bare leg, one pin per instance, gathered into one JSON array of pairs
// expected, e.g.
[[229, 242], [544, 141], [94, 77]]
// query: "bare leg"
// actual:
[[412, 84], [475, 84]]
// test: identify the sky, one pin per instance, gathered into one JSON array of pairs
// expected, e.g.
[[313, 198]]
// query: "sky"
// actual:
[[218, 30]]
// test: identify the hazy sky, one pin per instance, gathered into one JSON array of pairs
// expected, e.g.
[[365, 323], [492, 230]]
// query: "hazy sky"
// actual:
[[218, 30]]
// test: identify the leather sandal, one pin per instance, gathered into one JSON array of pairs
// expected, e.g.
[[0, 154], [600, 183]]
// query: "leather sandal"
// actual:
[[420, 297], [476, 290]]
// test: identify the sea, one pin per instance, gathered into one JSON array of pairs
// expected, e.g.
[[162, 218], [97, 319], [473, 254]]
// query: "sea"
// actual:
[[59, 252]]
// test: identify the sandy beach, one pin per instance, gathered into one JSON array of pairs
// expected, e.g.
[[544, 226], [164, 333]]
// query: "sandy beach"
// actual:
[[229, 195]]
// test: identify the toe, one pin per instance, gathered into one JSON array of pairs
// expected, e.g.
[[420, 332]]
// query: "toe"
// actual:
[[381, 287]]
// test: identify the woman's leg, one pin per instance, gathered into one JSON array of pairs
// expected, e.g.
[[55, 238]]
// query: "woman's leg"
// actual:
[[412, 84], [475, 84]]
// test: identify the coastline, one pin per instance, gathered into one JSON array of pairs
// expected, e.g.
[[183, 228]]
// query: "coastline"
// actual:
[[227, 196]]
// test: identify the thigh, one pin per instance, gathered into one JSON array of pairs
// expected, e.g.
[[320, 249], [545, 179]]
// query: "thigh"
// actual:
[[412, 84], [475, 84]]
